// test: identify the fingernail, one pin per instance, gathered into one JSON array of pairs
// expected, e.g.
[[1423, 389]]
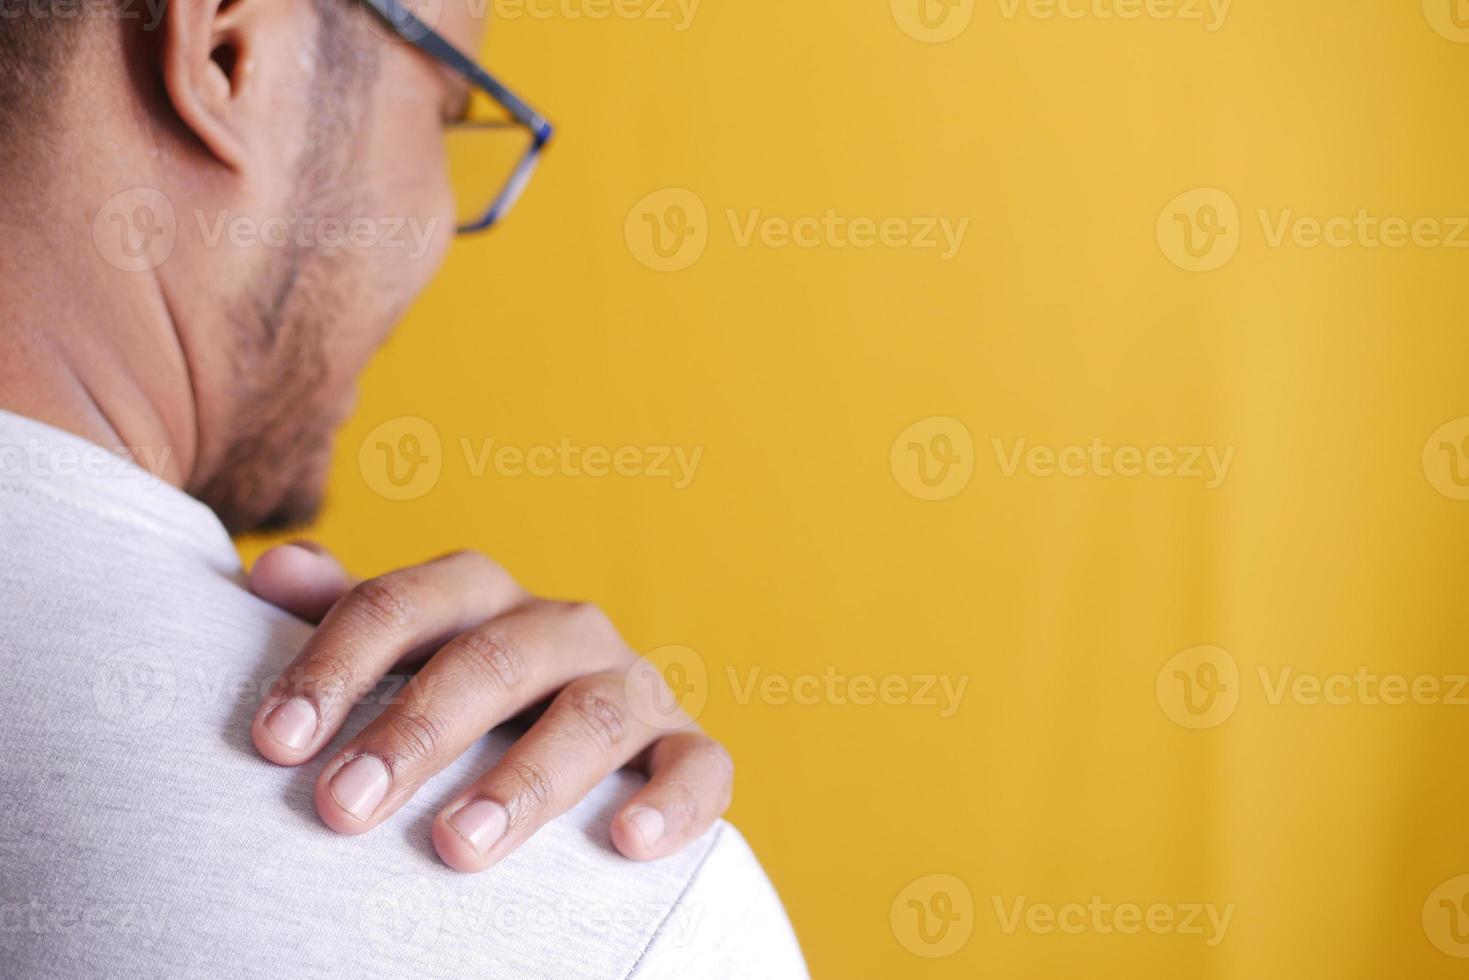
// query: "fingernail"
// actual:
[[361, 786], [649, 823], [293, 723], [481, 823], [306, 552]]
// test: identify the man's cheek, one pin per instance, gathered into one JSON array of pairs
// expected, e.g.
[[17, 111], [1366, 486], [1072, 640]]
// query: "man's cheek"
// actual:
[[429, 239], [412, 236], [426, 234]]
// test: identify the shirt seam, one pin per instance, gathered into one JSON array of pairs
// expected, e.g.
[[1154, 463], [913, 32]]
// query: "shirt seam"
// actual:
[[683, 893], [112, 515]]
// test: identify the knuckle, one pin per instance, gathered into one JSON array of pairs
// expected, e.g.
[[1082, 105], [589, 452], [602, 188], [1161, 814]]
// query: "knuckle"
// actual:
[[535, 780], [417, 736], [473, 560], [590, 617], [680, 804], [490, 572], [714, 757], [330, 677], [492, 656], [599, 716], [386, 602]]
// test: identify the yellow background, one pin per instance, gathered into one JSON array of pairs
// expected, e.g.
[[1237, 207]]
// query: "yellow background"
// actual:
[[1062, 319]]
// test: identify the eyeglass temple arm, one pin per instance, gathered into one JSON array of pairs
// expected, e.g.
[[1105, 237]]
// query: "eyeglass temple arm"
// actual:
[[426, 39]]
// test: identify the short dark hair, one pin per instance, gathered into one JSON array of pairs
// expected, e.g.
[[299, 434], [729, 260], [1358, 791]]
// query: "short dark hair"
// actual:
[[38, 39], [35, 38]]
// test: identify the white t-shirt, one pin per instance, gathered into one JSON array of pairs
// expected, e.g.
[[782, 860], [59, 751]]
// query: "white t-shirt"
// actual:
[[141, 834]]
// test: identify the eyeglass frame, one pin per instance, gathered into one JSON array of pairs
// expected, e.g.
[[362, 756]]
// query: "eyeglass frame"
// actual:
[[410, 28]]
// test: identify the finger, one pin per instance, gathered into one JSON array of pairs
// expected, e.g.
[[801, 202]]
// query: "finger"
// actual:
[[382, 622], [301, 578], [480, 679], [588, 731], [691, 779]]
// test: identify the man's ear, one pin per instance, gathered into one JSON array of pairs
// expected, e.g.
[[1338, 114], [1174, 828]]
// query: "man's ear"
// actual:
[[211, 52]]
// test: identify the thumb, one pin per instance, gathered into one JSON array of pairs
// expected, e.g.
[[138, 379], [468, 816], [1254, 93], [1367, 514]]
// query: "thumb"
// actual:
[[301, 578]]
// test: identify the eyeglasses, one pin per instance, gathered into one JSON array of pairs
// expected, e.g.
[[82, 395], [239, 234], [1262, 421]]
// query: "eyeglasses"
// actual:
[[485, 139]]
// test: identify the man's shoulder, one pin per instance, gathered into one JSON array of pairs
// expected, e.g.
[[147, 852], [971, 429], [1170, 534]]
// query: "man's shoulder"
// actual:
[[138, 808], [142, 831]]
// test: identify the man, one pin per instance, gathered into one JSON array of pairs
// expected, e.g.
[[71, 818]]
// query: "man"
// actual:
[[142, 832]]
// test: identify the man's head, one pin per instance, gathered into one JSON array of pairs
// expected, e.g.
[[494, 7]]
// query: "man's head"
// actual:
[[261, 188]]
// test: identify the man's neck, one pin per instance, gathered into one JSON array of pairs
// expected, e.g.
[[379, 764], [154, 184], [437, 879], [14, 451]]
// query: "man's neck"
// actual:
[[91, 349]]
